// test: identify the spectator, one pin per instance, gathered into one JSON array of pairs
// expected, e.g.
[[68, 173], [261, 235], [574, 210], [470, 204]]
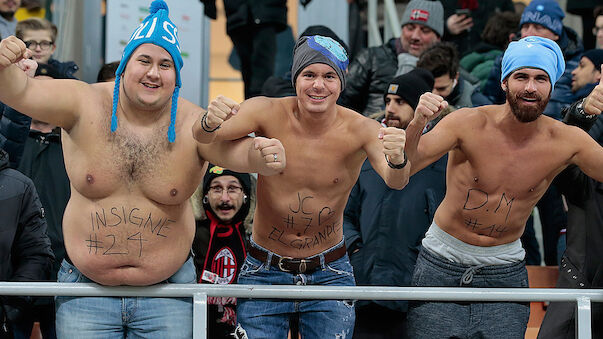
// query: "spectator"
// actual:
[[499, 31], [588, 73], [442, 61], [598, 27], [383, 227], [8, 23], [501, 160], [128, 159], [25, 250], [544, 18], [466, 20], [107, 72], [374, 67], [581, 265], [252, 26], [220, 241]]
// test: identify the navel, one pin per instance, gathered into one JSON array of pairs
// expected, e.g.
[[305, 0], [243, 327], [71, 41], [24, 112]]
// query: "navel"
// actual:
[[173, 192], [90, 179]]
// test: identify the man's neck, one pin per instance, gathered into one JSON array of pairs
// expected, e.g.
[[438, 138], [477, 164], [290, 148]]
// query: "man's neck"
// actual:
[[514, 128], [315, 122]]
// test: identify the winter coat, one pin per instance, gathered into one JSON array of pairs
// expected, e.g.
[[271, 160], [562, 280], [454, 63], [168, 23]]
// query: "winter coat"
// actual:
[[242, 13]]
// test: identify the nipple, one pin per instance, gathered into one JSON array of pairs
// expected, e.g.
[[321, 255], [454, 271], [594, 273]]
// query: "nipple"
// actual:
[[90, 179], [336, 180], [173, 192], [298, 234], [475, 179], [532, 189]]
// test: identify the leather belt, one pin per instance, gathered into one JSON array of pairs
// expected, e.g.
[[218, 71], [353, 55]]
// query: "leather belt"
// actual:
[[297, 265]]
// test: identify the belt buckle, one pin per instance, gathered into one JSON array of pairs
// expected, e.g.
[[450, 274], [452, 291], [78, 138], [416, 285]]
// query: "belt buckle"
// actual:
[[300, 269]]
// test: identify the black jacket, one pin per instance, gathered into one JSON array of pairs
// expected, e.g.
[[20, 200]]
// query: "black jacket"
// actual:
[[25, 253], [242, 13], [582, 263], [368, 76]]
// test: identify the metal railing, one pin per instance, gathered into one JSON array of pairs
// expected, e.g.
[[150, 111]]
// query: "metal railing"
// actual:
[[200, 292], [391, 27]]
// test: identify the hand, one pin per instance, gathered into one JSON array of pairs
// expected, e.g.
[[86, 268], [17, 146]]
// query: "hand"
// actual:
[[12, 50], [219, 110], [458, 23], [272, 152], [594, 101], [429, 107], [29, 66], [394, 140]]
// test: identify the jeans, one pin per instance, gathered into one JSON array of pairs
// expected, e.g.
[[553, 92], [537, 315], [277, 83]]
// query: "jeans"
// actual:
[[269, 318], [128, 317], [433, 320]]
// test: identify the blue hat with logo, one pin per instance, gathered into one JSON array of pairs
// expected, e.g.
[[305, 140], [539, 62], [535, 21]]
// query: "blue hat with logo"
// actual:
[[157, 29], [534, 52], [318, 49], [546, 13]]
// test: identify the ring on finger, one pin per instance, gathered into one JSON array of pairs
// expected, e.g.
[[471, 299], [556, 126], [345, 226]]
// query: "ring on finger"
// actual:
[[275, 157]]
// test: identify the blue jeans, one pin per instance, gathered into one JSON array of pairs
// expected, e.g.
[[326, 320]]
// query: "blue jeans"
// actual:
[[269, 318], [434, 320], [131, 317]]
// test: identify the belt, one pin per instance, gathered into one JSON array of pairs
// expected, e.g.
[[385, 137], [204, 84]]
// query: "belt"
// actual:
[[297, 265]]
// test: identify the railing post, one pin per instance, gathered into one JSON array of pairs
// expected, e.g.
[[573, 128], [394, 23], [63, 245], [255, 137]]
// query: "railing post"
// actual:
[[200, 316], [374, 36], [583, 318]]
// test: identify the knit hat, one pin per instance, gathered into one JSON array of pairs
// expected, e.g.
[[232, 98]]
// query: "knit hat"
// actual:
[[534, 52], [318, 49], [157, 29], [324, 31], [546, 13], [411, 85], [214, 171], [426, 13], [595, 56]]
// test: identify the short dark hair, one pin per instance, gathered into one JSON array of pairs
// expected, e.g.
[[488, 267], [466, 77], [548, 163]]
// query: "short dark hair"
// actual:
[[36, 24], [498, 28], [598, 11], [440, 59], [107, 71]]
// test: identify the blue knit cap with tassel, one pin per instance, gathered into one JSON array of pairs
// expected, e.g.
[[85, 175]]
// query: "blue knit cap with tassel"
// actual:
[[157, 29]]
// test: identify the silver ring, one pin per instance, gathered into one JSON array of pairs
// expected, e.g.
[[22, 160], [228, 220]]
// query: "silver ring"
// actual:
[[275, 157]]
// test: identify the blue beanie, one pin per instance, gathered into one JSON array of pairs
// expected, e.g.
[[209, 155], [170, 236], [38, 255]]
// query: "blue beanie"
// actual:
[[534, 52], [318, 49], [546, 13], [157, 29]]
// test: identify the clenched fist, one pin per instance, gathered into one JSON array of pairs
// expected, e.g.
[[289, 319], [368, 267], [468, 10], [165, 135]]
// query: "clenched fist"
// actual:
[[594, 101], [394, 140], [12, 50], [429, 107], [272, 152], [219, 110]]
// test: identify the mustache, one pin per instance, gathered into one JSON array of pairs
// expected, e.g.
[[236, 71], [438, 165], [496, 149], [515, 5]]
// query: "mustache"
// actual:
[[225, 206], [529, 95]]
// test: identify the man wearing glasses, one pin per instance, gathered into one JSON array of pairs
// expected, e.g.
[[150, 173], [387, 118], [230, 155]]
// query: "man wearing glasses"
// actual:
[[219, 244]]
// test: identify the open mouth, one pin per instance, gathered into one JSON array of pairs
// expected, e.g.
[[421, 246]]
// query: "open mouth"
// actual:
[[317, 97], [152, 86]]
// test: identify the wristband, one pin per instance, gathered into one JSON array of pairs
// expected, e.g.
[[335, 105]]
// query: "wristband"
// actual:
[[204, 123], [400, 166]]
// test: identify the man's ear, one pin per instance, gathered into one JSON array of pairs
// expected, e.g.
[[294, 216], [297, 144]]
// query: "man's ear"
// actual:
[[597, 74], [503, 85]]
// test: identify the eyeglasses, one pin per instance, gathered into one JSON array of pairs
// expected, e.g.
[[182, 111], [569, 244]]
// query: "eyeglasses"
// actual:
[[44, 45], [230, 190]]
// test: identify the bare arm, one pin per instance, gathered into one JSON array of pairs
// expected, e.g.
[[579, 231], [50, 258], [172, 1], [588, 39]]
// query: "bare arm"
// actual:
[[433, 145], [383, 144], [227, 120], [52, 101]]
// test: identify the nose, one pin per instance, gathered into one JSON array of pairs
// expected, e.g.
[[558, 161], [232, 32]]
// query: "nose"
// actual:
[[318, 83], [153, 71], [415, 34], [531, 85]]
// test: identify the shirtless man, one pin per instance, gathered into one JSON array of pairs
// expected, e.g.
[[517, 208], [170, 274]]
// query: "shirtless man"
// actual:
[[501, 161], [129, 221], [297, 233]]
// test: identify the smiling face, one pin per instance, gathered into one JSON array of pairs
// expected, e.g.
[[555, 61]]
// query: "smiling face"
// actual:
[[416, 38], [149, 78], [317, 87], [225, 197], [528, 92]]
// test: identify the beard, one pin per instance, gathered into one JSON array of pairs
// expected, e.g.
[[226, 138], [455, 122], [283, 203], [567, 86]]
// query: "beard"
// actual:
[[7, 15], [526, 113]]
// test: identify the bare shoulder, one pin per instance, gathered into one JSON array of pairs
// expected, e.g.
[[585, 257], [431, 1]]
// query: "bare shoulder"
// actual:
[[357, 122], [470, 116]]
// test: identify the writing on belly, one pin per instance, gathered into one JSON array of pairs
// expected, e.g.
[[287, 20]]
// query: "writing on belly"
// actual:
[[313, 226], [124, 231], [499, 210]]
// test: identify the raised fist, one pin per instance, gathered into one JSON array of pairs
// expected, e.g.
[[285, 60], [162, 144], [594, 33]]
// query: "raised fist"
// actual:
[[394, 140], [219, 110], [594, 101], [12, 50], [272, 152], [429, 107]]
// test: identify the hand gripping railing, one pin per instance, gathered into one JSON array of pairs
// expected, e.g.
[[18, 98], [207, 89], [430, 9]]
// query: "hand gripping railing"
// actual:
[[200, 292]]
